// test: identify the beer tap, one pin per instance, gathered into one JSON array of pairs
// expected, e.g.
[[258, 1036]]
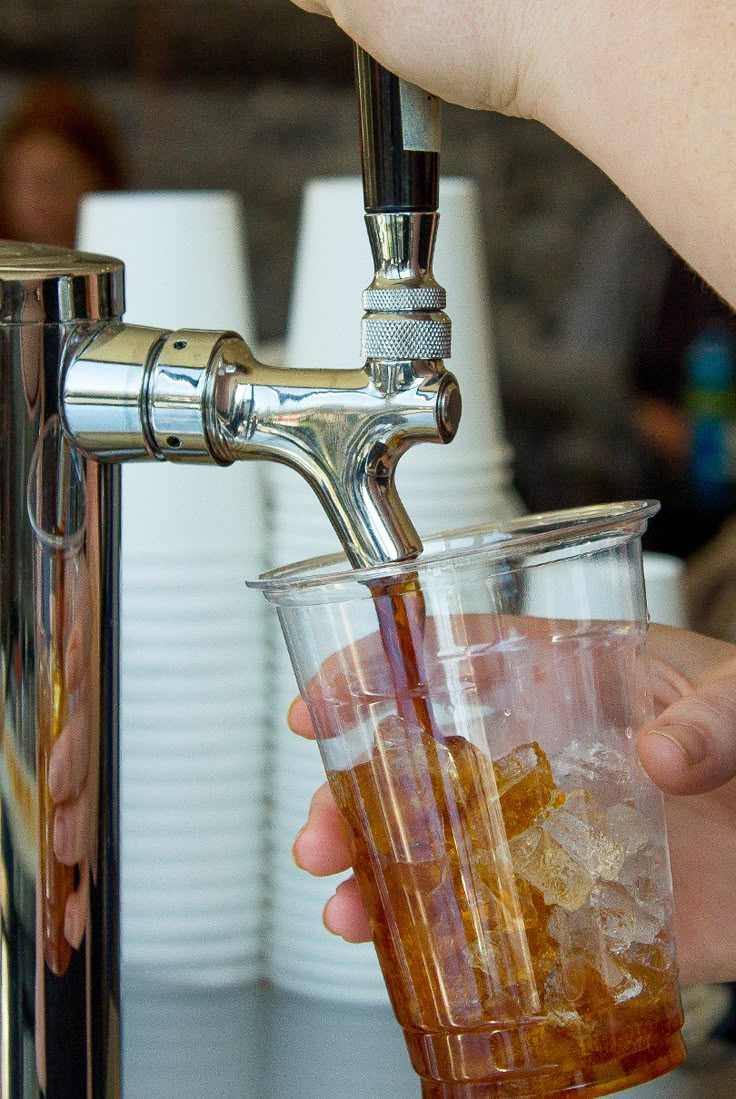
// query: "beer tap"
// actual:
[[81, 392], [129, 393]]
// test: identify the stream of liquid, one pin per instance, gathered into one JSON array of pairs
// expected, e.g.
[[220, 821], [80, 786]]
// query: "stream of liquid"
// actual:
[[402, 618]]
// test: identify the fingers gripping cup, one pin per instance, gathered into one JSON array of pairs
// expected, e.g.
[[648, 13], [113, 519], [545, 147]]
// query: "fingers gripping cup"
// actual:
[[510, 850]]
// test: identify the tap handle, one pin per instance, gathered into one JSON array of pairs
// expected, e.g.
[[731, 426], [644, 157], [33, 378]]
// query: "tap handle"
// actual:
[[399, 140]]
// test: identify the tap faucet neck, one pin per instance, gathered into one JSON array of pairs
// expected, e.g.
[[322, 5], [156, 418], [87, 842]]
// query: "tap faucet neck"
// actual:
[[404, 305], [402, 244]]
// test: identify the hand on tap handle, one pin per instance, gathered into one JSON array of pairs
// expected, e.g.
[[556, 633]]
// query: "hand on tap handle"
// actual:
[[399, 140], [646, 91]]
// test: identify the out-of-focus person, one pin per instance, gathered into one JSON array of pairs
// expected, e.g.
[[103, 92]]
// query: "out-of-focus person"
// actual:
[[684, 408], [55, 147]]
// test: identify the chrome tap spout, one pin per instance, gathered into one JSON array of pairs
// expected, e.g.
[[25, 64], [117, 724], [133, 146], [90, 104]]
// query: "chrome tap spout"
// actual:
[[133, 393], [343, 431]]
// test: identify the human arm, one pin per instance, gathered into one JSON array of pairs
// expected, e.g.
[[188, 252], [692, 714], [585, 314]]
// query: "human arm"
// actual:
[[645, 91]]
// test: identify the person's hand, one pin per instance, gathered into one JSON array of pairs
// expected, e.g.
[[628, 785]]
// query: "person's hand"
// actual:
[[477, 55], [690, 749], [647, 91], [690, 752]]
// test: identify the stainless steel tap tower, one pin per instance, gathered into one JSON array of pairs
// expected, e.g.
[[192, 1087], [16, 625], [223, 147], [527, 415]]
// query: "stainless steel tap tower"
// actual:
[[81, 392]]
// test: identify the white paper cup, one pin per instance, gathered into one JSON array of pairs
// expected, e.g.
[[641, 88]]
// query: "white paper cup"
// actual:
[[193, 641], [664, 580], [184, 253]]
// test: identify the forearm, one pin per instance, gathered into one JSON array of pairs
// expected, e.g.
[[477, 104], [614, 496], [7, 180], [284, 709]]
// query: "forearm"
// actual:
[[648, 92]]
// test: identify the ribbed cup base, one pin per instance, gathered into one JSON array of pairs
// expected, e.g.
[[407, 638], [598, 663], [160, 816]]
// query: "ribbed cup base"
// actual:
[[603, 1079]]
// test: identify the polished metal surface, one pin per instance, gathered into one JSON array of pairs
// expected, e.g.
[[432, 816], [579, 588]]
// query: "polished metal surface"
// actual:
[[133, 393], [404, 303], [104, 384], [78, 384], [42, 284], [403, 246], [180, 397], [344, 431], [421, 118], [405, 336], [81, 392], [59, 939], [404, 298], [201, 396]]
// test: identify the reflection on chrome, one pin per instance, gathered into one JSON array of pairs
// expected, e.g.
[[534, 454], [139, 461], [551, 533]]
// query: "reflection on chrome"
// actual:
[[59, 976]]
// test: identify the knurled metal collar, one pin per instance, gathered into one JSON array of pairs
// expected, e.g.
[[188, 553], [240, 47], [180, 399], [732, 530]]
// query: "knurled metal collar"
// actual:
[[392, 336], [390, 299], [40, 284]]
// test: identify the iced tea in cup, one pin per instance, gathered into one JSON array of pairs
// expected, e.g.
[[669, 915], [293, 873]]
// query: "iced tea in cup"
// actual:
[[477, 711]]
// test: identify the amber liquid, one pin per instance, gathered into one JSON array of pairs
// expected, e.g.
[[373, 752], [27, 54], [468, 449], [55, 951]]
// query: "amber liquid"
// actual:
[[402, 618], [491, 1004]]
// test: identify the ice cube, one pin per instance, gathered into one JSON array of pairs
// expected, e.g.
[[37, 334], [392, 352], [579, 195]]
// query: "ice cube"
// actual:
[[582, 983], [396, 791], [593, 766], [559, 925], [624, 984], [545, 864], [622, 920], [517, 765], [624, 824], [558, 1002], [525, 785], [653, 964], [574, 985], [473, 784], [582, 931], [646, 875], [584, 841]]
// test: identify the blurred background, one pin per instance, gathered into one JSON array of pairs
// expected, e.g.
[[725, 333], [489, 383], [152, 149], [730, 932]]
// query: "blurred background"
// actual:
[[255, 96], [615, 364], [593, 317]]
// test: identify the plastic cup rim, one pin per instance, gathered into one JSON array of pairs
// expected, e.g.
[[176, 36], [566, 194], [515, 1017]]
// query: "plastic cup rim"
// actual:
[[328, 578]]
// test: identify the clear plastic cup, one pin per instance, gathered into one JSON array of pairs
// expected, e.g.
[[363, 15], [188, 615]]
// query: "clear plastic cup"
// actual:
[[510, 850]]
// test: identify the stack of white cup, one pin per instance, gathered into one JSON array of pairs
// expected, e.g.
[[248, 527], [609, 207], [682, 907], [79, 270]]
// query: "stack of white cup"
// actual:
[[466, 483], [585, 587], [664, 581], [193, 639]]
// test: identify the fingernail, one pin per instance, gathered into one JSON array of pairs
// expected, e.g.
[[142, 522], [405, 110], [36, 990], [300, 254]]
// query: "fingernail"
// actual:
[[73, 928], [688, 740], [288, 716], [54, 778], [326, 916], [294, 856], [60, 834]]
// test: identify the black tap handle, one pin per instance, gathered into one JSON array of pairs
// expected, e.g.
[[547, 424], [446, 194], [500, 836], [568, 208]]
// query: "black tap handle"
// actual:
[[399, 140]]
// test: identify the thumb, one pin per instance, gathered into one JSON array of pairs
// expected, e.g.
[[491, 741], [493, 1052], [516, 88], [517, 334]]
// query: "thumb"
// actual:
[[691, 746], [318, 7]]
